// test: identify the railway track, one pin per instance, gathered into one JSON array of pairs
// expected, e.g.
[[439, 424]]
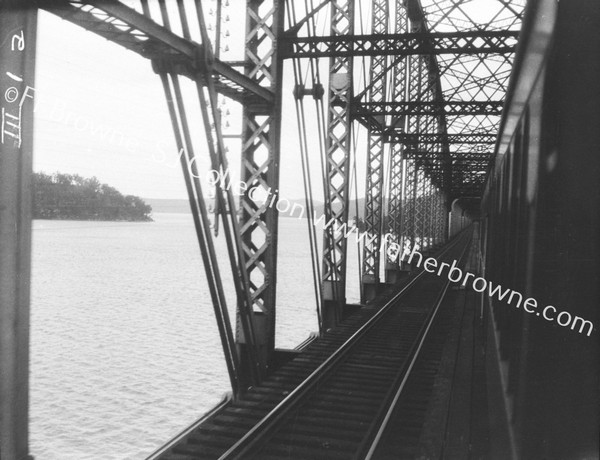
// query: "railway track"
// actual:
[[326, 405]]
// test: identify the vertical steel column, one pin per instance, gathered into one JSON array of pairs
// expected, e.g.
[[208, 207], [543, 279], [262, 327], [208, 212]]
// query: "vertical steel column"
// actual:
[[433, 211], [337, 168], [394, 214], [426, 214], [420, 208], [395, 203], [261, 129], [375, 158], [425, 155], [408, 205], [17, 70], [446, 206], [439, 217], [430, 214], [433, 215], [412, 220]]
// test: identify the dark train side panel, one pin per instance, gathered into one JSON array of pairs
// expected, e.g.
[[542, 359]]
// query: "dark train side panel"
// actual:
[[541, 224]]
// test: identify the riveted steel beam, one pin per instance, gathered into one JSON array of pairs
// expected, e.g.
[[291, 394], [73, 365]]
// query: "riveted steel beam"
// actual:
[[393, 136], [404, 44], [426, 108]]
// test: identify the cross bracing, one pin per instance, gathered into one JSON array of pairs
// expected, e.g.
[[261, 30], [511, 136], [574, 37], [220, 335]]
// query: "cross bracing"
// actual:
[[439, 120], [476, 42], [424, 79]]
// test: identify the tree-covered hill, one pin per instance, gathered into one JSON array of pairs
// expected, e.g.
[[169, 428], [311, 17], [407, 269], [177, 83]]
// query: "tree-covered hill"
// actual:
[[70, 196]]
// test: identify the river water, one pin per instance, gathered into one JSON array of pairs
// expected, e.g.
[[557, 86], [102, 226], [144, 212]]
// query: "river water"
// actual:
[[124, 346]]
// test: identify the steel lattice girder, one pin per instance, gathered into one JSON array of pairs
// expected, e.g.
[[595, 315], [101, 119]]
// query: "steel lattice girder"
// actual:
[[408, 205], [455, 155], [394, 136], [421, 88], [431, 236], [426, 108], [466, 89], [442, 219], [434, 43], [260, 168], [414, 88], [375, 155], [395, 209], [337, 167], [420, 209]]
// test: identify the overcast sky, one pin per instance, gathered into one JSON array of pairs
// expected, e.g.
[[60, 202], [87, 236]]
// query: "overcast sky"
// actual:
[[101, 111]]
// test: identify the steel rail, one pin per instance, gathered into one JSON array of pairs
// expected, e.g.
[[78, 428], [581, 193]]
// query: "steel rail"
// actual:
[[387, 407], [244, 446]]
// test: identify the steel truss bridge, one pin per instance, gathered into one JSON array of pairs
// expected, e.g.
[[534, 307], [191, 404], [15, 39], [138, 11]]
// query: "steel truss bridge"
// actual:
[[424, 80], [418, 370]]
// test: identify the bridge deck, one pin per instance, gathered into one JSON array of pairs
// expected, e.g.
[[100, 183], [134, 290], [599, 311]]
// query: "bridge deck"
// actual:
[[334, 422]]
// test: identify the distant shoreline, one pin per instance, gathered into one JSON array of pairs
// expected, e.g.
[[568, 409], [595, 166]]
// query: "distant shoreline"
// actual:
[[61, 196], [74, 219]]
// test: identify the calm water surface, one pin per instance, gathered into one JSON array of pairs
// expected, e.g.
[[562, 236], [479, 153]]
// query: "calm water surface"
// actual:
[[124, 346]]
